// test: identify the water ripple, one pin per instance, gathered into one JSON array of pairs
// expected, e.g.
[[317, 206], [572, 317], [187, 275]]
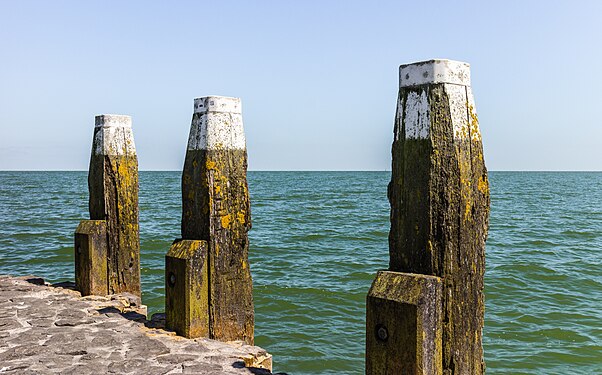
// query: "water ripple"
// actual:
[[318, 239]]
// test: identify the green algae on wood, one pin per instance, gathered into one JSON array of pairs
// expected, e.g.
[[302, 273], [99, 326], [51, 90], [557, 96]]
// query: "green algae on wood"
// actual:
[[439, 197], [403, 324], [216, 209], [113, 186], [187, 288], [91, 257]]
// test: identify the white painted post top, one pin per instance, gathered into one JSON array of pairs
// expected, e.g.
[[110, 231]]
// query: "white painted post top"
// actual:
[[217, 104], [434, 71], [113, 136], [112, 120], [219, 126]]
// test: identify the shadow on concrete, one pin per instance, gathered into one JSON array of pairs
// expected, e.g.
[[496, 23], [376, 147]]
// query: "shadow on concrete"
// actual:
[[255, 370], [130, 315], [40, 281], [157, 320], [64, 285], [35, 280]]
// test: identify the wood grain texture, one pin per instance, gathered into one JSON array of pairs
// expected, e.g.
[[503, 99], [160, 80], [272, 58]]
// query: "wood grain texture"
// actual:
[[187, 288], [439, 195], [403, 324], [113, 186], [91, 257], [216, 208]]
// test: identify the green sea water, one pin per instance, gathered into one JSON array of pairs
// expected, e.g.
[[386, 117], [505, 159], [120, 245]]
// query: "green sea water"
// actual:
[[318, 239]]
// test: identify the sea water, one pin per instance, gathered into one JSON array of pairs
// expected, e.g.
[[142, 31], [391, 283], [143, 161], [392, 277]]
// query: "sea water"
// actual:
[[318, 239]]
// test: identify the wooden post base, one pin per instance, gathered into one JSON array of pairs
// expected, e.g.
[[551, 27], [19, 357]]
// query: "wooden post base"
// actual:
[[187, 288], [91, 257], [403, 324]]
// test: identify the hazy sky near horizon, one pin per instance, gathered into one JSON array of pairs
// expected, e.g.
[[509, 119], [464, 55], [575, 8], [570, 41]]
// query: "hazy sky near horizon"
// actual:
[[318, 79]]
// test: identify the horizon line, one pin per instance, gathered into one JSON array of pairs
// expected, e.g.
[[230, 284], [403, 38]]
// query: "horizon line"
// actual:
[[304, 170]]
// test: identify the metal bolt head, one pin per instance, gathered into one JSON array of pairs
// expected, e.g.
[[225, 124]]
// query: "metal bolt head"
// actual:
[[382, 333], [172, 279]]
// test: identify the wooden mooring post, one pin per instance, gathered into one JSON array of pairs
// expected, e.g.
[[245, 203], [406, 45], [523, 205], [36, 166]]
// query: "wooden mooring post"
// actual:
[[425, 314], [107, 247], [208, 279]]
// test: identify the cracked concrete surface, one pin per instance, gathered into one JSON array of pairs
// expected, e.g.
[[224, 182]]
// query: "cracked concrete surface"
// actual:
[[48, 329]]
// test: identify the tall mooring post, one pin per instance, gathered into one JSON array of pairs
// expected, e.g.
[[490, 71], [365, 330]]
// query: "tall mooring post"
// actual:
[[209, 291], [107, 247], [425, 314]]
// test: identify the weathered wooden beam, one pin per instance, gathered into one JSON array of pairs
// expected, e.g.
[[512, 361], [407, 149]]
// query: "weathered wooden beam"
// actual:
[[91, 257], [113, 185], [403, 324], [439, 195], [187, 288], [216, 209]]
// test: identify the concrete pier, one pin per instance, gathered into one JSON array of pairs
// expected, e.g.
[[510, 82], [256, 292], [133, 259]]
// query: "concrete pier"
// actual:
[[48, 329]]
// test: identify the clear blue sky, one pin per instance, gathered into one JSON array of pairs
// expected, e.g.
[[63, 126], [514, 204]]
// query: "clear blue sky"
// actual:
[[318, 79]]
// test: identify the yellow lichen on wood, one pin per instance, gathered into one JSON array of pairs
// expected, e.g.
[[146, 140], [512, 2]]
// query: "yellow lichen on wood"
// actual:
[[474, 124], [439, 198], [403, 324], [113, 182], [226, 221], [91, 257], [231, 285], [187, 288], [483, 185], [240, 216], [216, 209]]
